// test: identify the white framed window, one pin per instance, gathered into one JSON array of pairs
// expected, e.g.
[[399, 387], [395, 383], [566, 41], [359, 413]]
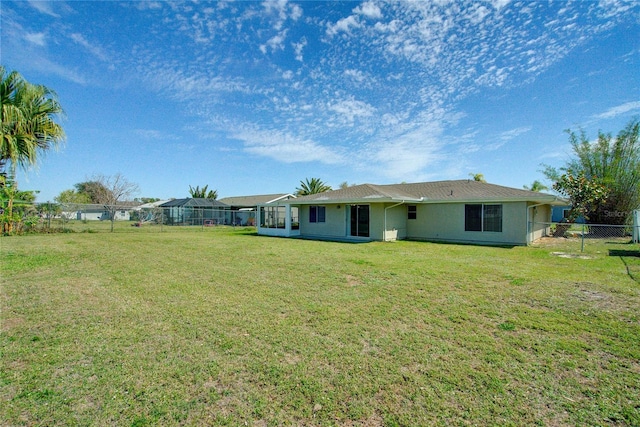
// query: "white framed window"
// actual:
[[317, 213], [480, 217]]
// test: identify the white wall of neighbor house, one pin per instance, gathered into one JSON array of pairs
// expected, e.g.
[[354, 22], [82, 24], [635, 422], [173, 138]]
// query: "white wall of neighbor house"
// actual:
[[446, 222]]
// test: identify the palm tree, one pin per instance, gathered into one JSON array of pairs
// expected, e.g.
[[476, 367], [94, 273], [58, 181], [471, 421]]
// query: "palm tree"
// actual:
[[28, 125], [202, 193], [314, 186], [478, 177], [536, 186]]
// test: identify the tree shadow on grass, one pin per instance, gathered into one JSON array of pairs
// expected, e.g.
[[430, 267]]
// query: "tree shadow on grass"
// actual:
[[625, 255]]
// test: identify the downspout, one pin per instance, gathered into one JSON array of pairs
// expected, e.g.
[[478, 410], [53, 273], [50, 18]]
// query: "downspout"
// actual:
[[529, 240], [384, 232]]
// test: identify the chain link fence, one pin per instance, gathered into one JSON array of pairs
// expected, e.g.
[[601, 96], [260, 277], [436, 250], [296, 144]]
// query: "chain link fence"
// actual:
[[68, 218], [585, 234]]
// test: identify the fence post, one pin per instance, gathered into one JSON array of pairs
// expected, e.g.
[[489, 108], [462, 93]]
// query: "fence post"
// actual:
[[582, 244]]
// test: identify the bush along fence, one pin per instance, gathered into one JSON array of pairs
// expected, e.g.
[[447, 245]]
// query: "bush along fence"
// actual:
[[585, 233], [50, 217]]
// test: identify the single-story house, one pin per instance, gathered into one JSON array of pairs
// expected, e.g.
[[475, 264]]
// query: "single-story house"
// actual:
[[451, 211], [95, 212], [244, 208], [194, 211]]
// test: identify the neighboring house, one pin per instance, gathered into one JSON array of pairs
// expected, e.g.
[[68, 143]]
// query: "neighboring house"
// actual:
[[244, 208], [194, 211], [152, 205], [561, 214], [150, 211], [94, 212], [451, 211]]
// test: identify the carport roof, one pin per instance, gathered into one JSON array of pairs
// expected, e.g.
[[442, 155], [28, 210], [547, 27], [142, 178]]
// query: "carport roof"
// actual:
[[194, 202]]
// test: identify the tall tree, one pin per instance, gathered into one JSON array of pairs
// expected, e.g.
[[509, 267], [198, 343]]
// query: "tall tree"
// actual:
[[28, 122], [313, 186], [611, 162], [72, 197], [536, 186], [92, 190], [584, 194], [203, 193], [114, 190]]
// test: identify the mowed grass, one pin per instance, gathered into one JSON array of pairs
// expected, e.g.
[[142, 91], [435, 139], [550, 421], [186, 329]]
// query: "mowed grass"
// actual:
[[223, 327]]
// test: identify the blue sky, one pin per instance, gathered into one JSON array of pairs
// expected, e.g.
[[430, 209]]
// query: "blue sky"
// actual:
[[253, 97]]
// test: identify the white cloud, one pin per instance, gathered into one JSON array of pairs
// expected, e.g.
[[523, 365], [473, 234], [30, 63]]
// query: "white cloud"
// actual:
[[148, 5], [45, 7], [389, 62], [350, 109], [369, 9], [619, 110], [275, 43], [343, 25], [285, 147], [299, 47], [96, 51], [514, 133], [49, 67], [38, 39], [283, 10], [499, 4], [356, 75], [409, 154]]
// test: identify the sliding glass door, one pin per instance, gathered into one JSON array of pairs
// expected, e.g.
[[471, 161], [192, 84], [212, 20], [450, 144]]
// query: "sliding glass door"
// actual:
[[360, 220]]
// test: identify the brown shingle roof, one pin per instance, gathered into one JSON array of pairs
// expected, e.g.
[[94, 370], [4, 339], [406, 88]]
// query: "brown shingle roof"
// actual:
[[437, 191]]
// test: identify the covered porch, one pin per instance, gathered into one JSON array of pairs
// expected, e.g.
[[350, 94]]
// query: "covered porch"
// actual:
[[278, 220]]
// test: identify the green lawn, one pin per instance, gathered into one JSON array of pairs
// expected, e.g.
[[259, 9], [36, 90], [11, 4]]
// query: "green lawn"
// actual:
[[223, 327]]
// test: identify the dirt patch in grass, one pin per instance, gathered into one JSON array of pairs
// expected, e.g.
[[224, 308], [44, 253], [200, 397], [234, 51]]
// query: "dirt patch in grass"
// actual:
[[572, 256], [549, 242], [353, 281]]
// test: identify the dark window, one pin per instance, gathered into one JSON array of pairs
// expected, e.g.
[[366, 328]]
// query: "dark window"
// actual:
[[473, 218], [317, 213], [492, 218], [483, 218], [360, 220], [412, 212]]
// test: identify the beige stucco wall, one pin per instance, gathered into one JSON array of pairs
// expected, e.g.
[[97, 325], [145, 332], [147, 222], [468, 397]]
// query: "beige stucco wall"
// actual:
[[435, 222], [446, 222], [539, 217], [333, 227], [337, 224], [396, 222]]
